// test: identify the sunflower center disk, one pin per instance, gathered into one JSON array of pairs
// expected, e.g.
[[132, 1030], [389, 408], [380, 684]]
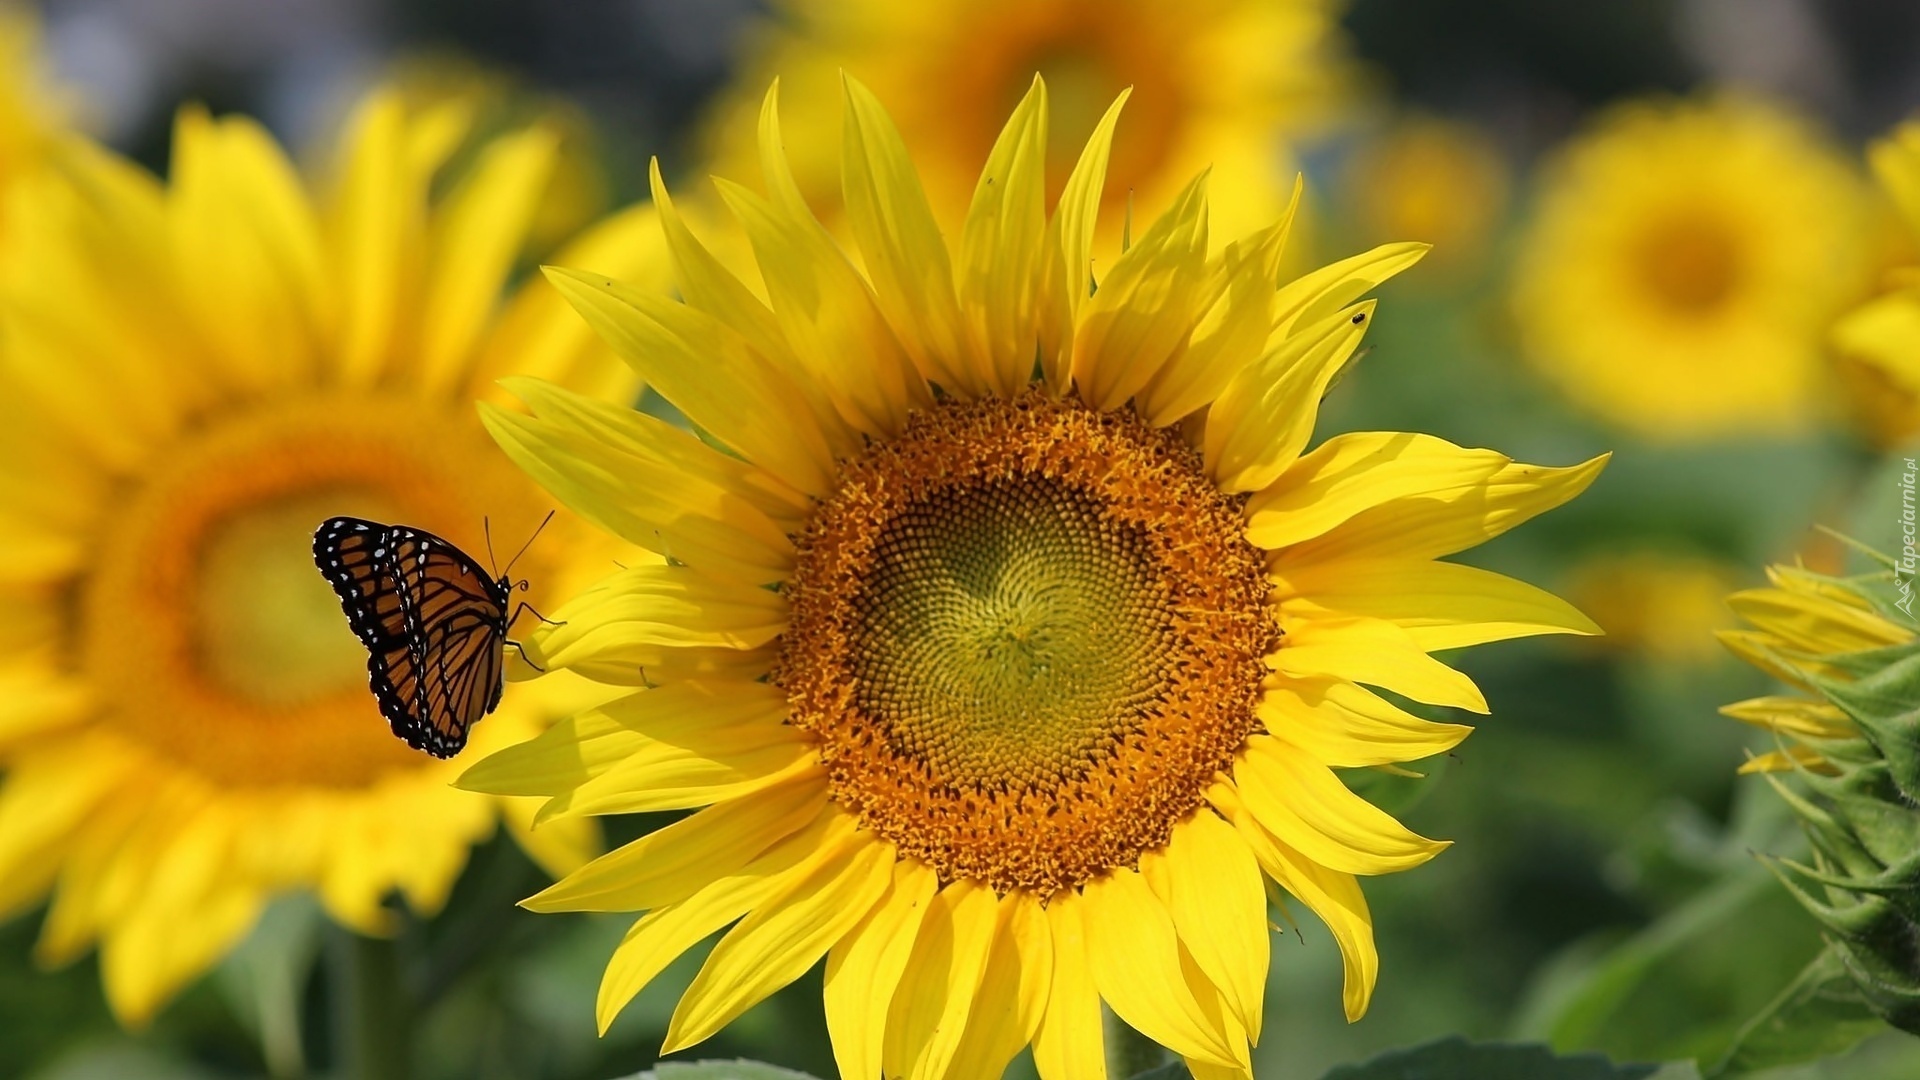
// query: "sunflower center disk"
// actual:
[[1027, 635], [1007, 628], [1690, 266], [218, 643]]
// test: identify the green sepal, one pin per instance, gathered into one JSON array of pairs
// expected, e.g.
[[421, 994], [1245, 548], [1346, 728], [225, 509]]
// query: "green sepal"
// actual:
[[1822, 1013], [1883, 698]]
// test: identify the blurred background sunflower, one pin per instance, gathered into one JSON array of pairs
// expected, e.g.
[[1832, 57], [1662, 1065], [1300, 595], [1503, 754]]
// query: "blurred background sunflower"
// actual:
[[1679, 230]]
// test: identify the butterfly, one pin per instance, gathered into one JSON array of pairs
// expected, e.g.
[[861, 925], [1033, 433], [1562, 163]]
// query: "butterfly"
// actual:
[[434, 624]]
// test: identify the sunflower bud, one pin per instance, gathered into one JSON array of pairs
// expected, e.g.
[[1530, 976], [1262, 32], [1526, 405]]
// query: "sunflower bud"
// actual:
[[1854, 735]]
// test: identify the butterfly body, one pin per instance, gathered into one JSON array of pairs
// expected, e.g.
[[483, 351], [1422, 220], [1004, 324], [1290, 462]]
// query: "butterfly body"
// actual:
[[433, 622]]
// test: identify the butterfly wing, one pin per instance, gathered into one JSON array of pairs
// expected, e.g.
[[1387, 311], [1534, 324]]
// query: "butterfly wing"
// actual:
[[357, 558], [462, 618], [434, 626]]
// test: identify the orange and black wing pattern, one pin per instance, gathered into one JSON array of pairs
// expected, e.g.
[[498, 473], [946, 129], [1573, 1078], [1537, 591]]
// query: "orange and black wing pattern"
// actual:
[[433, 623]]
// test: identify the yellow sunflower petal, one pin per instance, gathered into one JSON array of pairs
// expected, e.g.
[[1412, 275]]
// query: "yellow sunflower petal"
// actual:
[[709, 372], [1303, 803], [1144, 310], [1134, 953], [1440, 605], [710, 287], [586, 746], [777, 943], [664, 933], [1351, 473], [1070, 234], [1262, 420], [1440, 522], [560, 847], [1218, 1011], [1204, 1071], [475, 240], [1068, 1045], [48, 798], [1809, 624], [1219, 909], [376, 222], [825, 308], [672, 863], [1236, 326], [1333, 896], [536, 334], [245, 232], [189, 914], [1323, 292], [1013, 991], [1757, 649], [684, 518], [1793, 716], [656, 607], [687, 763], [901, 246], [865, 966], [33, 702], [1000, 269], [1896, 164], [930, 1007], [1347, 727], [83, 903], [1377, 653], [1790, 759], [657, 445]]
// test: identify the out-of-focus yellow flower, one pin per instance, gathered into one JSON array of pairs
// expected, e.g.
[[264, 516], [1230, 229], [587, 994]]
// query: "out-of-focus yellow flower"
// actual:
[[1002, 698], [1218, 83], [194, 375], [1804, 617], [1429, 179], [1682, 266], [31, 112], [1878, 343], [498, 104], [1661, 605]]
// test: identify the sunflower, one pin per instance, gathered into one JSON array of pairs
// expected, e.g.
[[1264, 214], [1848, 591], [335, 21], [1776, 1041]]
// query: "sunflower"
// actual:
[[1682, 266], [1440, 180], [1224, 84], [1664, 605], [1804, 617], [999, 684], [1878, 343], [195, 374]]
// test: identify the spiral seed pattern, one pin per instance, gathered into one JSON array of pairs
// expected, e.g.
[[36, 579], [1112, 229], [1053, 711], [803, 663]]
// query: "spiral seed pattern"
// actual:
[[1027, 635]]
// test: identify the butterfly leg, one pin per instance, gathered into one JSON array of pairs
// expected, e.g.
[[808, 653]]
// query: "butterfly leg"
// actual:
[[523, 656], [524, 606]]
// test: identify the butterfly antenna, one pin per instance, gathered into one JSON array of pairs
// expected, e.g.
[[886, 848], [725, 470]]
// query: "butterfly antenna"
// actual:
[[528, 544], [486, 530]]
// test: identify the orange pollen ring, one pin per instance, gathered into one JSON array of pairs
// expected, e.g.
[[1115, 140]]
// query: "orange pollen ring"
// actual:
[[1027, 636]]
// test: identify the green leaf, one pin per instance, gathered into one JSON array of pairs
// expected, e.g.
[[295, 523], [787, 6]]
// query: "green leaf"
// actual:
[[1679, 987], [1820, 1014], [1175, 1071], [718, 1070], [1454, 1058]]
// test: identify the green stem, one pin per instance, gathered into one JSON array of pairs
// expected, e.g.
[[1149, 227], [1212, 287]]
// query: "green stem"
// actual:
[[374, 1027], [1128, 1051], [277, 997]]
